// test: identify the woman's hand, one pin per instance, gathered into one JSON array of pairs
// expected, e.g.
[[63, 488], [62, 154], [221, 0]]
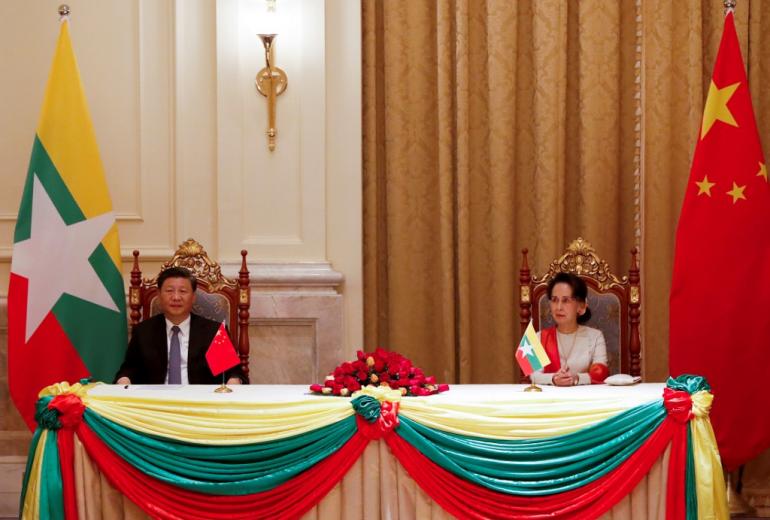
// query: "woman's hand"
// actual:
[[565, 378]]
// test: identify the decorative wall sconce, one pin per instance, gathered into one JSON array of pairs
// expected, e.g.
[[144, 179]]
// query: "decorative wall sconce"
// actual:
[[271, 81]]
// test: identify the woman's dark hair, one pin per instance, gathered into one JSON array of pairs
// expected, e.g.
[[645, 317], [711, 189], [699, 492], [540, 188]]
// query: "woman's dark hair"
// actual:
[[179, 272], [579, 291]]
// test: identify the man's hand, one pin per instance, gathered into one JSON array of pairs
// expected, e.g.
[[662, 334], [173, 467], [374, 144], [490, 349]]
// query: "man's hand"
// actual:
[[234, 381], [123, 381]]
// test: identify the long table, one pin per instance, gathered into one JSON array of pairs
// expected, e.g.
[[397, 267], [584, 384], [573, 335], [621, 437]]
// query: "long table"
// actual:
[[483, 451]]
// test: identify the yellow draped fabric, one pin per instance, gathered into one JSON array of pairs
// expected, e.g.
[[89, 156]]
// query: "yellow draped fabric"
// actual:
[[204, 422], [708, 468], [507, 414], [31, 499], [540, 415]]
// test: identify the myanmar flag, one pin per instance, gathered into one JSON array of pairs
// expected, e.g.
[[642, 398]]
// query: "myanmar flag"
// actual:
[[66, 301], [719, 320], [531, 355]]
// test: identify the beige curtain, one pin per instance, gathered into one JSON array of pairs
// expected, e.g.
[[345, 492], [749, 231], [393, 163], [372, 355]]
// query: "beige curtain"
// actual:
[[494, 125], [489, 127]]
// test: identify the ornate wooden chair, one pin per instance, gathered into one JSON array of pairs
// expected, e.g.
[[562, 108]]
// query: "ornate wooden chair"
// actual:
[[216, 297], [614, 301]]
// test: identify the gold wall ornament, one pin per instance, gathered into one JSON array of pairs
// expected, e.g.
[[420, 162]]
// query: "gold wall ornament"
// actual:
[[271, 82]]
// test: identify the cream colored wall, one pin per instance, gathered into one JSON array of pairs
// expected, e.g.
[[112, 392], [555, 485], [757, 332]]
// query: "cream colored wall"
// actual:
[[170, 85]]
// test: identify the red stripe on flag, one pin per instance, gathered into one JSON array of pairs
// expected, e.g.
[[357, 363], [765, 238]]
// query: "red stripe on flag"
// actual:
[[49, 357], [523, 360]]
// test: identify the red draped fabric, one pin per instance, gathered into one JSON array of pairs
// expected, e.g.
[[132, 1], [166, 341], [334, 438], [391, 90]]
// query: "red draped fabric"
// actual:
[[161, 500], [70, 408], [466, 500]]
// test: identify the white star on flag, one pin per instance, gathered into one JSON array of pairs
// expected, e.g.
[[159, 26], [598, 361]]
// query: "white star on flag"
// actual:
[[71, 245], [525, 348]]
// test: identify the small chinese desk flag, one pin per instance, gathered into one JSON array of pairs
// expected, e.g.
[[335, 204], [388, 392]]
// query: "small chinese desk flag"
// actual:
[[531, 355], [221, 354]]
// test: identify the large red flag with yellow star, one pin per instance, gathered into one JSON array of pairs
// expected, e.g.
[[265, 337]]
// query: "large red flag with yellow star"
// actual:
[[720, 318]]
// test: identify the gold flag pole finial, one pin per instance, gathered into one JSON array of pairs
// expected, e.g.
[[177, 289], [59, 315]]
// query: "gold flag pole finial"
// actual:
[[64, 11], [729, 6]]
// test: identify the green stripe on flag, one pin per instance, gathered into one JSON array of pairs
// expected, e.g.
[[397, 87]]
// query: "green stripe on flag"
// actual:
[[41, 166], [108, 273], [100, 335]]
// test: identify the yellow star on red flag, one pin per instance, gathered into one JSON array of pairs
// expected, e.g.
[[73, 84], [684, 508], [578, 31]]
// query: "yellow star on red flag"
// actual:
[[704, 186], [762, 170], [716, 107], [737, 192]]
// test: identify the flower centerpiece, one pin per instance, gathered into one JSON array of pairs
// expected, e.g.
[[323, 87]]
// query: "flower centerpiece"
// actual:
[[379, 368]]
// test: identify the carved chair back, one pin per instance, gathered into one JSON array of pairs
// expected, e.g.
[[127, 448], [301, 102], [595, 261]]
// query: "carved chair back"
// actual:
[[217, 297], [614, 301]]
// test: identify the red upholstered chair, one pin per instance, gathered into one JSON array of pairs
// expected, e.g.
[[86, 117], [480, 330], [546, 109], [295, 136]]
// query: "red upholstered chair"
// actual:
[[614, 302], [216, 297]]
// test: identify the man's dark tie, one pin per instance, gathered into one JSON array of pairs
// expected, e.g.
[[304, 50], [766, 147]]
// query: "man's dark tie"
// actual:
[[175, 359]]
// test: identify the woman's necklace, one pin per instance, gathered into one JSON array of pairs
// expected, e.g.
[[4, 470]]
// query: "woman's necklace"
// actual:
[[567, 353]]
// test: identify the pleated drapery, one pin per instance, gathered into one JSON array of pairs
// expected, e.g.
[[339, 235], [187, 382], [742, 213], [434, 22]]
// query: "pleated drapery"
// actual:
[[492, 126]]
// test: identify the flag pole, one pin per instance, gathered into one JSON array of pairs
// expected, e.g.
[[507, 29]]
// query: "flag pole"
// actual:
[[532, 387], [735, 501], [224, 389], [64, 12]]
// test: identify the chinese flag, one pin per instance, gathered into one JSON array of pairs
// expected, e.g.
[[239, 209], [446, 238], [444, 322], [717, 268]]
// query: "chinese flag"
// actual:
[[221, 354], [720, 318]]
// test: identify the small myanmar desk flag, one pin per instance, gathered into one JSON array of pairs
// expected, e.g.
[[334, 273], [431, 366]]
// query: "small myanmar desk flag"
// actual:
[[531, 355]]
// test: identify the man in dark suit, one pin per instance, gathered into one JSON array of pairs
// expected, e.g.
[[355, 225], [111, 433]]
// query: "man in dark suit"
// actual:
[[171, 347]]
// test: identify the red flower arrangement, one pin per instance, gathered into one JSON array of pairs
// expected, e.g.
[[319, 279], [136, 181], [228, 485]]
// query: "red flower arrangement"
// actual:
[[380, 368]]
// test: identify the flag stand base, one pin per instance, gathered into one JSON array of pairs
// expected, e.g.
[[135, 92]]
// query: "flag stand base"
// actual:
[[224, 389], [533, 388]]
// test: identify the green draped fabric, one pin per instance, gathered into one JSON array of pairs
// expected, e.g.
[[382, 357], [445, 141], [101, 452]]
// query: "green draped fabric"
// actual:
[[688, 383], [536, 467], [690, 490], [28, 468], [222, 470], [51, 493]]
